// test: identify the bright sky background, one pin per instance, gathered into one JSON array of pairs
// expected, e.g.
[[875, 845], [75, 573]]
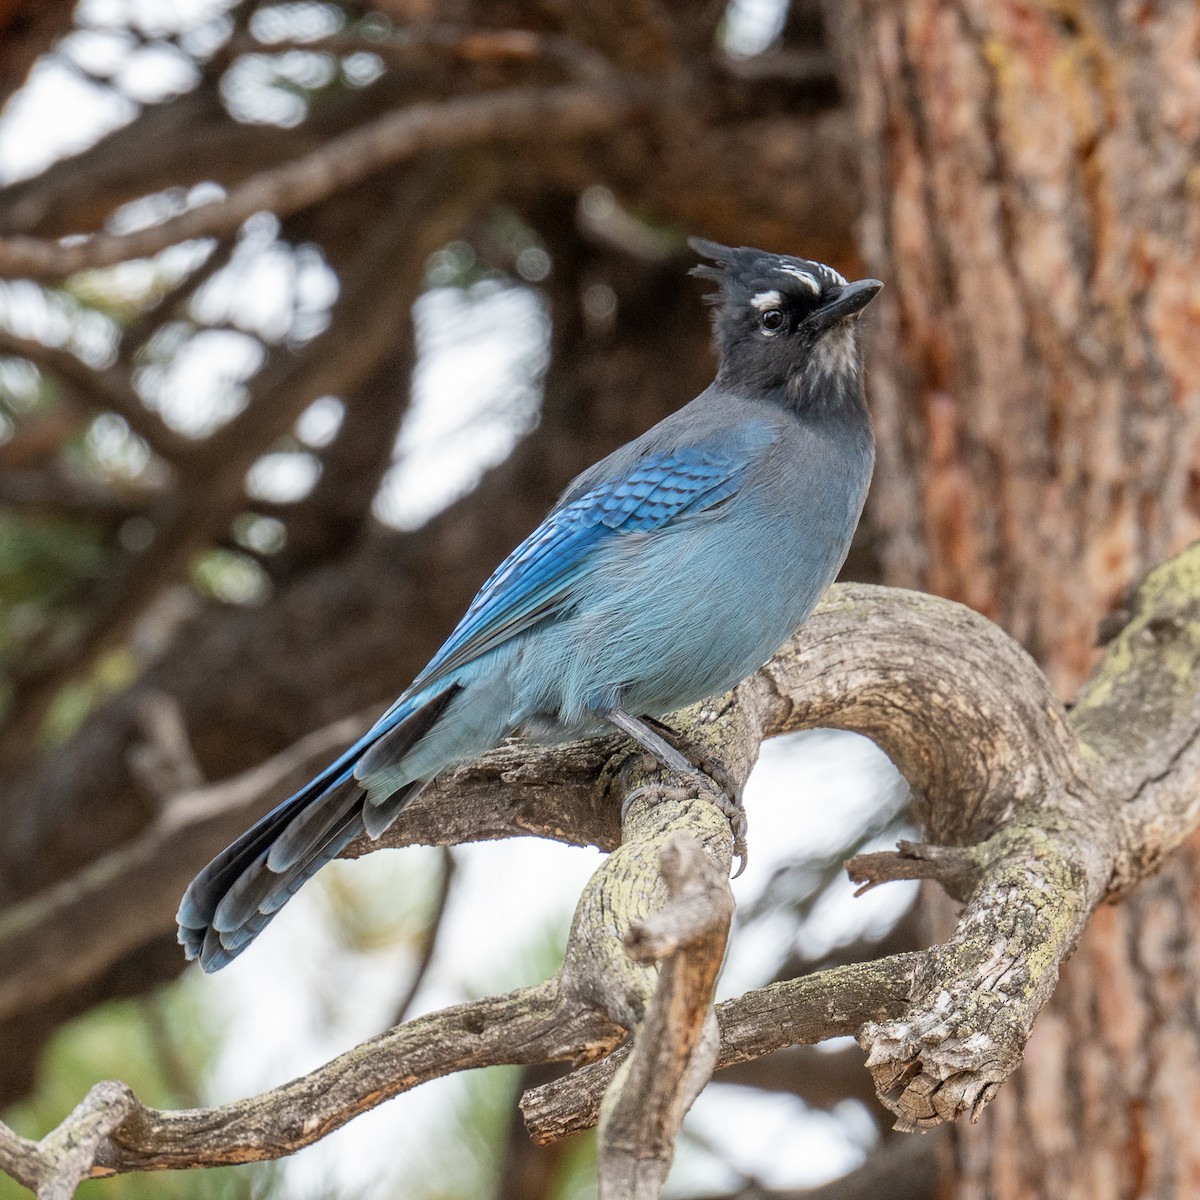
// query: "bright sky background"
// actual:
[[301, 995]]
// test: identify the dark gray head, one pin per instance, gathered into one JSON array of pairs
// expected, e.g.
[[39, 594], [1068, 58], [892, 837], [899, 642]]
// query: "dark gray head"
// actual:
[[784, 324]]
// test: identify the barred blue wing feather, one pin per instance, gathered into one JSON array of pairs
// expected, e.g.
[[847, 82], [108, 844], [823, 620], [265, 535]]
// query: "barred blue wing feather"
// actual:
[[535, 581]]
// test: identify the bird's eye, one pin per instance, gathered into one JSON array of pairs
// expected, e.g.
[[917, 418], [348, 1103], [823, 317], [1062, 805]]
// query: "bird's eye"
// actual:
[[773, 320]]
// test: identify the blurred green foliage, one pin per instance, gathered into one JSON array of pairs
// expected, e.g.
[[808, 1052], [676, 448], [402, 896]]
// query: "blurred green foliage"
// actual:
[[159, 1046]]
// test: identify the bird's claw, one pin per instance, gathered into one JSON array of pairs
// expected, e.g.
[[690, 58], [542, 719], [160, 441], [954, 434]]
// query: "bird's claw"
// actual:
[[705, 787], [684, 758], [715, 781], [735, 814]]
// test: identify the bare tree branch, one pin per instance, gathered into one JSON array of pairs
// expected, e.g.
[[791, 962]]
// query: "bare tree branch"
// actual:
[[532, 1024], [1140, 713], [1005, 778], [794, 1012], [464, 43], [54, 493], [569, 111], [581, 1012], [19, 1157], [998, 772], [55, 1166], [194, 140], [36, 442], [106, 388], [40, 948], [675, 1045], [377, 293], [138, 332]]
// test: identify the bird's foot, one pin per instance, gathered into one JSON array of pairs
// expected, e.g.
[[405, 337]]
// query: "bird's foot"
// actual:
[[692, 761], [735, 813], [717, 781]]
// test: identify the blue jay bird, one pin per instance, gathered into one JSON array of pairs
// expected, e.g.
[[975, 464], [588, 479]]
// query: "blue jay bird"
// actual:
[[665, 574]]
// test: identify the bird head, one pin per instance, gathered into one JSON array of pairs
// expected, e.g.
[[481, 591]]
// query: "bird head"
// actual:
[[784, 323]]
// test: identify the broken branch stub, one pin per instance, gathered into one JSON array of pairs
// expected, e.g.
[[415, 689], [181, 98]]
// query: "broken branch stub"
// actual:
[[675, 1045]]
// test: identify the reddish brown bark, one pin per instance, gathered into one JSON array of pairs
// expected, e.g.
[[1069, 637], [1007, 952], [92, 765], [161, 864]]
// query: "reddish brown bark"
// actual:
[[1031, 197]]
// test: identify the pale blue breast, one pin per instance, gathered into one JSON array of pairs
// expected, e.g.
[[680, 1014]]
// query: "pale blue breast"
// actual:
[[667, 618]]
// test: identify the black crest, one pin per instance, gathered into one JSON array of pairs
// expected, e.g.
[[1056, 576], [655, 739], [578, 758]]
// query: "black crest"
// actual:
[[743, 272]]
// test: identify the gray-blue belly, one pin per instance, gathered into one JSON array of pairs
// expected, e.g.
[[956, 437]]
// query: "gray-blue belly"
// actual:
[[676, 617]]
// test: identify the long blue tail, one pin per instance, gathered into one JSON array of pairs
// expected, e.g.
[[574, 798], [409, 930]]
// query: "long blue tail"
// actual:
[[230, 902]]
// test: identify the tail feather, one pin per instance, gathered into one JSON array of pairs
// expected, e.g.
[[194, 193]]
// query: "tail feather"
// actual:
[[312, 825], [204, 893], [260, 881], [218, 949], [389, 749], [230, 902], [379, 814]]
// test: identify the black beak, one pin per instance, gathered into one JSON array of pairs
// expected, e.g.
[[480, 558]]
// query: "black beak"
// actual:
[[845, 302]]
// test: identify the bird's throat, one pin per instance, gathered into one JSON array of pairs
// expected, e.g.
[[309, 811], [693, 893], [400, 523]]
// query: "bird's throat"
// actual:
[[830, 379]]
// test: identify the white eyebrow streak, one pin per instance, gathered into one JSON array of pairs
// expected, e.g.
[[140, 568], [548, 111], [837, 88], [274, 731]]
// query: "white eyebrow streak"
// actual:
[[804, 277], [765, 300]]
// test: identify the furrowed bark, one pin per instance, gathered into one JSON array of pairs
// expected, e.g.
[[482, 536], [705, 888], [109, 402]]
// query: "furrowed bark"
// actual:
[[1029, 195]]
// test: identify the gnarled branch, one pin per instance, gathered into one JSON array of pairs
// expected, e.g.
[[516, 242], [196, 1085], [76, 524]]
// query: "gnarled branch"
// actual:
[[1028, 811], [675, 1045]]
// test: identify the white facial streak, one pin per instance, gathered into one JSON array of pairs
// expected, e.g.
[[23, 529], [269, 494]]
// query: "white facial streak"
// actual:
[[828, 274], [765, 300], [805, 278]]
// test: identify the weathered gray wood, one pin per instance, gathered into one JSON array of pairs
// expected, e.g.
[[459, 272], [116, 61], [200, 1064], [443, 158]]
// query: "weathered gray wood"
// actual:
[[1038, 818]]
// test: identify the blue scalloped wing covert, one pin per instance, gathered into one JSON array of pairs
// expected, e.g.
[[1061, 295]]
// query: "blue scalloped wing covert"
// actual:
[[536, 578]]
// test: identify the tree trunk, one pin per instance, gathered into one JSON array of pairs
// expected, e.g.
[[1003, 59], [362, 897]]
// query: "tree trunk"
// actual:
[[1030, 195]]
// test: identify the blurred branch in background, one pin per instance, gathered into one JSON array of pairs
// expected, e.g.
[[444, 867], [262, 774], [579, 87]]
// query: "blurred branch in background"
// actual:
[[904, 1169], [429, 938], [508, 116]]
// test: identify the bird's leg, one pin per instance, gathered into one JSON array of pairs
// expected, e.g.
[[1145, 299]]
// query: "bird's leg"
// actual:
[[698, 758], [664, 743], [730, 802], [639, 729]]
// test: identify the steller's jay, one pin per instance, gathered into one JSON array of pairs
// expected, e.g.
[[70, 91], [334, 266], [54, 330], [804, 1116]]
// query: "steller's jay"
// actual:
[[665, 573]]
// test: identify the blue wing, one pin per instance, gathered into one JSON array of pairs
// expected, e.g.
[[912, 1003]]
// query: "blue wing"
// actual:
[[231, 900], [536, 579]]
